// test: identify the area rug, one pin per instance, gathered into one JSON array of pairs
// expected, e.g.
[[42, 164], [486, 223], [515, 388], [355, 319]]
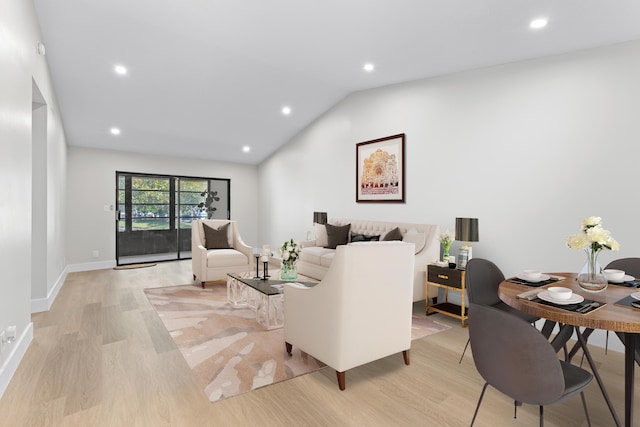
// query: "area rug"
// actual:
[[228, 352]]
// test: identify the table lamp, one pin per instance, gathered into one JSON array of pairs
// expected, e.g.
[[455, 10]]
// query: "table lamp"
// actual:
[[320, 217], [466, 231]]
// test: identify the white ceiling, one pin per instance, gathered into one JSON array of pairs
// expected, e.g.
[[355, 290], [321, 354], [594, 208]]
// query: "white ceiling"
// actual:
[[207, 77]]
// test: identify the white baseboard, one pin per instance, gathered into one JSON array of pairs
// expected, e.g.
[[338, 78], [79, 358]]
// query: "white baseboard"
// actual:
[[44, 304], [18, 349], [88, 266]]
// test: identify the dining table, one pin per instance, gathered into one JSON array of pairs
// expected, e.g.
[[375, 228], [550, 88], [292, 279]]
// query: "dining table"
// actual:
[[611, 311]]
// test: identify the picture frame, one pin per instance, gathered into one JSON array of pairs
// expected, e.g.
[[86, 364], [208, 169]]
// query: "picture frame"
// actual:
[[463, 258], [380, 171]]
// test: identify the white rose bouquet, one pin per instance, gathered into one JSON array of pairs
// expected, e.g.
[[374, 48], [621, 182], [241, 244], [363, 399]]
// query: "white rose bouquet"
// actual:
[[593, 237], [290, 252]]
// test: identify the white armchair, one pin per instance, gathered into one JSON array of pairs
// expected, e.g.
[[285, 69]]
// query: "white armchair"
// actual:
[[214, 264], [361, 310]]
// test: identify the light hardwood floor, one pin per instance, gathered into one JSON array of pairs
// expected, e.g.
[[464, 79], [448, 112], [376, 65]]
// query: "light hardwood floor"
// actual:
[[101, 357]]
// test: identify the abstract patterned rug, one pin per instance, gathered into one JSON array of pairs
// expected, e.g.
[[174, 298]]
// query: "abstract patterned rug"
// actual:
[[228, 352]]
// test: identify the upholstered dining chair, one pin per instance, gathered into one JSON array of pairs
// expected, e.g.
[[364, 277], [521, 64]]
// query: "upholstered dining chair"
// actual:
[[630, 266], [518, 361], [361, 310], [482, 279]]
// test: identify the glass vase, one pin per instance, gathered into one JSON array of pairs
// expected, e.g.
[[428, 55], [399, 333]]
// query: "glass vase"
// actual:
[[288, 272], [445, 252], [592, 280]]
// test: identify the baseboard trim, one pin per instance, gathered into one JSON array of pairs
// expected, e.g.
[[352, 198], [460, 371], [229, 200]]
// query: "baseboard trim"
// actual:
[[18, 351], [44, 304], [88, 266]]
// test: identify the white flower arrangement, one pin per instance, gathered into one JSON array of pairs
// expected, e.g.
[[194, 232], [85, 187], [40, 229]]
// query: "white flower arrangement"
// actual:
[[290, 252], [593, 237], [446, 238]]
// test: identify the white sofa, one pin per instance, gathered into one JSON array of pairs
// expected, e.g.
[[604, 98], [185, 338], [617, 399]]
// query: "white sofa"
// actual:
[[361, 310], [315, 259], [214, 264]]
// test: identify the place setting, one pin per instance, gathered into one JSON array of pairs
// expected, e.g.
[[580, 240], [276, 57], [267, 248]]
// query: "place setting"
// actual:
[[564, 298], [632, 301], [534, 278], [620, 278]]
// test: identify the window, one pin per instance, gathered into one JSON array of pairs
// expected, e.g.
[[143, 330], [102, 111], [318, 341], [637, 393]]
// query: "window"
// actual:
[[155, 213]]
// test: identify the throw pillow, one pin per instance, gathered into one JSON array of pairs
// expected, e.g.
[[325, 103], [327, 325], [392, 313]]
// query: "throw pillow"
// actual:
[[394, 234], [337, 235], [216, 238], [321, 235], [356, 237]]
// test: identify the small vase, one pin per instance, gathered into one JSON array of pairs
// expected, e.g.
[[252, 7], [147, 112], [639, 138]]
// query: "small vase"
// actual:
[[445, 252], [288, 272], [592, 280]]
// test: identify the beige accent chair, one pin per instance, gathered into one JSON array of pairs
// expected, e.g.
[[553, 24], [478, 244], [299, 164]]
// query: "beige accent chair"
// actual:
[[214, 264], [359, 312]]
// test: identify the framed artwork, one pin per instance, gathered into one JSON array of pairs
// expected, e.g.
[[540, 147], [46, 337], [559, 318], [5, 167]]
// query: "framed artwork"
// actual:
[[380, 170], [463, 258]]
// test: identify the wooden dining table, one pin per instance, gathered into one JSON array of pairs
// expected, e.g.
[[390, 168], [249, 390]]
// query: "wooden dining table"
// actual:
[[611, 316]]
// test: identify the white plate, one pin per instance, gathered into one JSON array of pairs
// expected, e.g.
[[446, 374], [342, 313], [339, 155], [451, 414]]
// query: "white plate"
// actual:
[[575, 298], [636, 295], [626, 278], [542, 278]]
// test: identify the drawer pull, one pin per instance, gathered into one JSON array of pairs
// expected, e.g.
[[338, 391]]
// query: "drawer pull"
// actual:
[[443, 276]]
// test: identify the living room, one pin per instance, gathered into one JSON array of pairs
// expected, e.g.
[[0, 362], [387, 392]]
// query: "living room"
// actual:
[[529, 148]]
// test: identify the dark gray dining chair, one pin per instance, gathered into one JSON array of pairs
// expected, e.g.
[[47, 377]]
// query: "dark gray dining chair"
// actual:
[[630, 266], [517, 360], [482, 279]]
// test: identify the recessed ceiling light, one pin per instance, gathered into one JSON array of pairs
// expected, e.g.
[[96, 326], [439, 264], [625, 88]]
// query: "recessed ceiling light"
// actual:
[[538, 23], [115, 131], [368, 67], [246, 148], [286, 110], [120, 69]]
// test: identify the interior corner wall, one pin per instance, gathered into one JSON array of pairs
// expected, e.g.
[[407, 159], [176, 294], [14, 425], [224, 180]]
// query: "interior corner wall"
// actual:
[[91, 176], [21, 65], [528, 148]]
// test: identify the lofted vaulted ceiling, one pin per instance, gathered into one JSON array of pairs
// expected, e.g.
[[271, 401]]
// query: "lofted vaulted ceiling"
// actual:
[[206, 78]]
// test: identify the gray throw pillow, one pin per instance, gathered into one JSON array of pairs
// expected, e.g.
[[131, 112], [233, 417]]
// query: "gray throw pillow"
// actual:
[[216, 238], [394, 234], [337, 235], [355, 237]]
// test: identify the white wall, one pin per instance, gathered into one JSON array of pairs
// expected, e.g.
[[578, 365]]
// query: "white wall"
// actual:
[[91, 176], [529, 148], [20, 66]]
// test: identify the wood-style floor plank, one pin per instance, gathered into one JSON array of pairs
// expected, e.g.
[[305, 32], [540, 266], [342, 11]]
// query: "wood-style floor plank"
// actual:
[[101, 357]]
